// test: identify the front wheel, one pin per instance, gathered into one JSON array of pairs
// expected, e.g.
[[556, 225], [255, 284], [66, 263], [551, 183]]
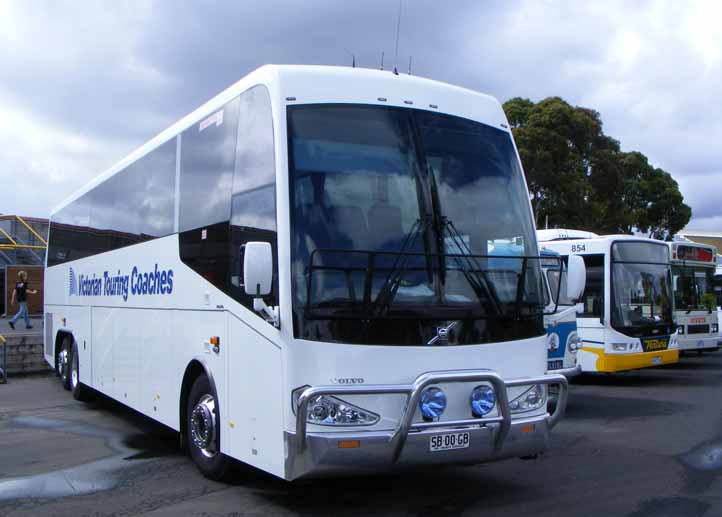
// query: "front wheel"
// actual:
[[203, 430]]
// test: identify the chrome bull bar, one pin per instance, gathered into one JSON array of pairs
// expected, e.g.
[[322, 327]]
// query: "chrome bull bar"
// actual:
[[413, 392]]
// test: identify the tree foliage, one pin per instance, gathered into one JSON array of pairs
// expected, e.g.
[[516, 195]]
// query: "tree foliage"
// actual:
[[579, 178]]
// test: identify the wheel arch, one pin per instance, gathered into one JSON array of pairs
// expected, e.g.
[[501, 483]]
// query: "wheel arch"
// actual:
[[195, 369]]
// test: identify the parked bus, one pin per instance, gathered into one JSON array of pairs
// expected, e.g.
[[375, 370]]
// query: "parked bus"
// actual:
[[695, 303], [560, 293], [626, 320], [296, 275], [560, 316]]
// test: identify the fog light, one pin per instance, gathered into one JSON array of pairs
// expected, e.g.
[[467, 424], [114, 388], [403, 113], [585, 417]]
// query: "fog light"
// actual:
[[432, 403], [482, 400]]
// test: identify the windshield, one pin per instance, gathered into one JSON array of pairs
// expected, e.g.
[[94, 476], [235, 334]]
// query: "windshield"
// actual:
[[693, 288], [406, 214], [641, 291]]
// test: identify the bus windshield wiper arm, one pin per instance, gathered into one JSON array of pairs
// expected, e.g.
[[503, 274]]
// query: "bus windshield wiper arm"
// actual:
[[393, 281], [471, 269]]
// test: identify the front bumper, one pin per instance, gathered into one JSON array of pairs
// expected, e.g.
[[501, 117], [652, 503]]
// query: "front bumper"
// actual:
[[689, 342], [491, 438], [622, 362], [572, 371]]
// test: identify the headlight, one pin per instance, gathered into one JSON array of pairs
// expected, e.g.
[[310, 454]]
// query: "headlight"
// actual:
[[715, 328], [329, 410], [552, 341], [574, 342], [680, 329], [619, 347], [432, 403], [532, 398], [482, 400]]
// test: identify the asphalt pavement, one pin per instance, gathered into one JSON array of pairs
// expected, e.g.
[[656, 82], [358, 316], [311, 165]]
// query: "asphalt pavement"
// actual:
[[645, 443]]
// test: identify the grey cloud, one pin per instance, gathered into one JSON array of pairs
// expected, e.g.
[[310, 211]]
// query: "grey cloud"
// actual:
[[113, 74]]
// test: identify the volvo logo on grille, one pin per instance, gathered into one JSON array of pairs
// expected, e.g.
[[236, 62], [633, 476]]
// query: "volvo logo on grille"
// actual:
[[443, 334], [348, 380]]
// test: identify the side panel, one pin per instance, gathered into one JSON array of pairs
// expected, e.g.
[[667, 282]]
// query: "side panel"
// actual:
[[255, 399], [102, 350], [128, 328], [157, 345]]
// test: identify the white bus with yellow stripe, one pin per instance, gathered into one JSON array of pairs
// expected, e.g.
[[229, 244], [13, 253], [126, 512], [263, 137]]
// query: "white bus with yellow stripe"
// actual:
[[695, 307], [626, 321]]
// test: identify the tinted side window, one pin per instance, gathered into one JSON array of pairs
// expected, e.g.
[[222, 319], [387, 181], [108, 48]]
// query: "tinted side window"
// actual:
[[593, 297], [253, 209], [133, 205], [208, 151], [69, 232]]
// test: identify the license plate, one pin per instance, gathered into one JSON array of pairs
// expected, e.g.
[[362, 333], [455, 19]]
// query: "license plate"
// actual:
[[448, 441], [555, 365], [656, 360]]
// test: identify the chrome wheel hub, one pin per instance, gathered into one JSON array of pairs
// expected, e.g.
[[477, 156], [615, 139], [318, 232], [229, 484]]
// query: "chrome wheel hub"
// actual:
[[63, 362], [74, 372], [203, 426]]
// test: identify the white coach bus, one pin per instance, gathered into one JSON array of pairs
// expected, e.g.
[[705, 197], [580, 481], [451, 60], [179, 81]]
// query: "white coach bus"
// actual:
[[296, 276], [695, 303], [626, 321]]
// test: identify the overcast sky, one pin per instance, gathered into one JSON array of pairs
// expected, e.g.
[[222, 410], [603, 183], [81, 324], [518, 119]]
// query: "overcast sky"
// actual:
[[83, 83]]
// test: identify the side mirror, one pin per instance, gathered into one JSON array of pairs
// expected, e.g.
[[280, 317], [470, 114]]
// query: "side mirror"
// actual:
[[257, 278], [576, 277], [257, 268]]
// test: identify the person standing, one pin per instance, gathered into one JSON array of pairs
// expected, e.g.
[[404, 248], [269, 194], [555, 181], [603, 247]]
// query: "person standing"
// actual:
[[22, 291]]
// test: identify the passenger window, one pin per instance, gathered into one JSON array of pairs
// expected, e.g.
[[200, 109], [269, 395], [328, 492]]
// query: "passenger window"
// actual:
[[69, 232], [208, 151], [593, 298]]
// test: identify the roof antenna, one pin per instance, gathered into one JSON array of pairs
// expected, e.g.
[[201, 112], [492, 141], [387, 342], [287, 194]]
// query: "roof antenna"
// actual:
[[398, 27], [353, 58], [410, 57], [382, 60]]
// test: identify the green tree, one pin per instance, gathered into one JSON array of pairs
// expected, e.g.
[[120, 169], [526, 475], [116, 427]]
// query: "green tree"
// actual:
[[579, 178]]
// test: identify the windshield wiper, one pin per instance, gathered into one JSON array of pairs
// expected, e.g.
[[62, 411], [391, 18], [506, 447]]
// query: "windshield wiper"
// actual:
[[479, 283], [391, 285], [471, 269]]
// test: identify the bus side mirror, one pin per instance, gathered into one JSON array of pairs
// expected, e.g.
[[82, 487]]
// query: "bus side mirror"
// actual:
[[257, 278], [257, 268], [576, 277]]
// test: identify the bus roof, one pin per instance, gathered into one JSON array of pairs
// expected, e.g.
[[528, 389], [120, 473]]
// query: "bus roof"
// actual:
[[306, 84], [563, 234]]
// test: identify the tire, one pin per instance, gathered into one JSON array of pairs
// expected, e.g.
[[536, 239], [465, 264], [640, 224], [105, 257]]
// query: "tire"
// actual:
[[62, 362], [79, 390], [203, 432]]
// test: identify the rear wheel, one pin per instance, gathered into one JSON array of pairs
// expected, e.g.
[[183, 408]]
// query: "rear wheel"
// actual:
[[80, 391], [203, 430], [63, 362]]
